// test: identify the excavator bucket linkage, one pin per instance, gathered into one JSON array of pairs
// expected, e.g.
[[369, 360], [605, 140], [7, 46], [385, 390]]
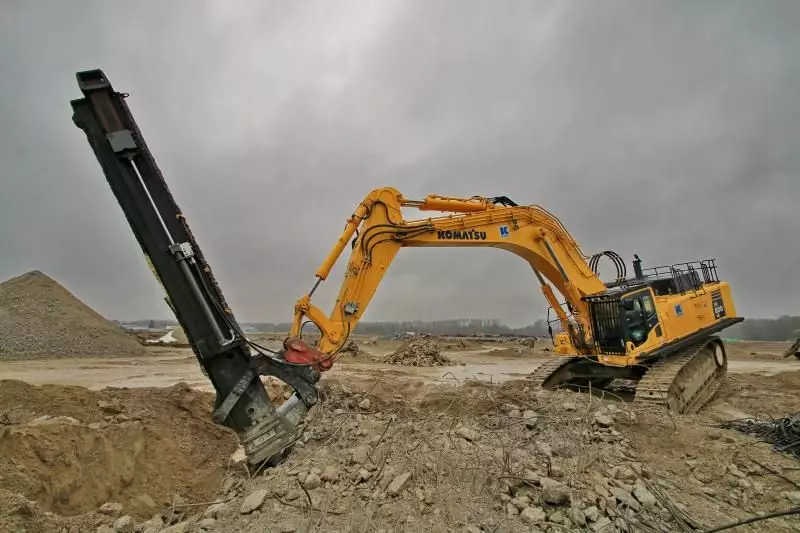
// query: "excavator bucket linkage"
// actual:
[[173, 254]]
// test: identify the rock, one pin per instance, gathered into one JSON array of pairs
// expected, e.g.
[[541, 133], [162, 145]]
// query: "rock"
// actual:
[[398, 484], [207, 523], [625, 498], [734, 471], [644, 496], [604, 421], [288, 528], [215, 511], [253, 501], [577, 516], [359, 455], [554, 492], [124, 524], [473, 529], [331, 474], [515, 413], [505, 498], [105, 529], [365, 404], [312, 482], [153, 525], [530, 418], [467, 434], [111, 509], [601, 524], [569, 406], [792, 496], [364, 474], [112, 407], [532, 515], [557, 518], [519, 504], [511, 509], [181, 527], [591, 513], [544, 448], [743, 483]]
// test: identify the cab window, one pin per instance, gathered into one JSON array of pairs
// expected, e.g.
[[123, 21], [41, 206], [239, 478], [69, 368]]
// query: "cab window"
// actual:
[[639, 314]]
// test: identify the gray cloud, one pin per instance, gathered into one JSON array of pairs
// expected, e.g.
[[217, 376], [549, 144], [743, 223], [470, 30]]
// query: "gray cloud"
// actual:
[[665, 129]]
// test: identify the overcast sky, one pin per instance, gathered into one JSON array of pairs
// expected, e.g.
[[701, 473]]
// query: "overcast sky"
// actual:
[[669, 129]]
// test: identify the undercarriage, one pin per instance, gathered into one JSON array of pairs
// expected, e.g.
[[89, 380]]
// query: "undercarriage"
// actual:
[[682, 381]]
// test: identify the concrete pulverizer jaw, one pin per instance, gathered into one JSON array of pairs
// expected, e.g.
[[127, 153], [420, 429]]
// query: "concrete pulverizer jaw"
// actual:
[[192, 292]]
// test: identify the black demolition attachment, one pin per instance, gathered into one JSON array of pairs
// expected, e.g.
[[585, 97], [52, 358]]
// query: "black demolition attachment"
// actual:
[[192, 292]]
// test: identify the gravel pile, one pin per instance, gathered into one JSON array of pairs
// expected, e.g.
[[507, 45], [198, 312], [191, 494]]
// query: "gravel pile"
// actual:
[[40, 318], [418, 352]]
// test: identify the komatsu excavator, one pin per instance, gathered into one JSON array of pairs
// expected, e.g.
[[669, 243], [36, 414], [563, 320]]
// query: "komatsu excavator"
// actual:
[[656, 328]]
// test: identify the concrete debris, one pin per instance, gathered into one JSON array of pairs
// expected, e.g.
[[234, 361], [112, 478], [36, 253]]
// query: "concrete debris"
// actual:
[[105, 529], [601, 524], [554, 492], [312, 481], [359, 455], [154, 525], [418, 352], [124, 524], [792, 496], [511, 509], [467, 434], [398, 484], [577, 516], [532, 515], [253, 501], [181, 527], [644, 496], [603, 420], [111, 509], [112, 407], [288, 528], [530, 418], [365, 404], [206, 524], [591, 513], [330, 474]]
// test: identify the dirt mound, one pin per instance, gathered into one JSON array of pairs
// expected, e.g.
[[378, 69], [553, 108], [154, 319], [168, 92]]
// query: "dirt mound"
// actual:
[[418, 352], [71, 450], [40, 318]]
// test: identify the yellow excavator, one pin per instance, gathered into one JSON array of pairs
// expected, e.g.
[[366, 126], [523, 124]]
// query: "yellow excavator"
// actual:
[[656, 328]]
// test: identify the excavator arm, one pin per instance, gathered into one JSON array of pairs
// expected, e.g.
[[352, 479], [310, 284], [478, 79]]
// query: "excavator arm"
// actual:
[[377, 230]]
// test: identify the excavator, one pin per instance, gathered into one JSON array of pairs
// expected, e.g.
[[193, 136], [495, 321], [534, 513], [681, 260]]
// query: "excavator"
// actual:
[[657, 328]]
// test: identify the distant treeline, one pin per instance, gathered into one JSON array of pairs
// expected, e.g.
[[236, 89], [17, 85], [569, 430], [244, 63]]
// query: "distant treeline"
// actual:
[[439, 327], [785, 328]]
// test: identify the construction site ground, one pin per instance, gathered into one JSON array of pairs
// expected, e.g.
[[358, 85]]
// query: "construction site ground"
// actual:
[[123, 444]]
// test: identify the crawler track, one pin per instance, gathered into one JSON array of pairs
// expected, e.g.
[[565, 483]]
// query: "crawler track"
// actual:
[[685, 381]]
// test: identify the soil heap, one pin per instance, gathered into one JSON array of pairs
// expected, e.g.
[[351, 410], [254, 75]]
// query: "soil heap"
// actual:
[[418, 352], [40, 318], [70, 450]]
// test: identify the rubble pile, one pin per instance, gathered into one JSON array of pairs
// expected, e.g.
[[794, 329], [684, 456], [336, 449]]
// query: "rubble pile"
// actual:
[[351, 348], [40, 318], [418, 352]]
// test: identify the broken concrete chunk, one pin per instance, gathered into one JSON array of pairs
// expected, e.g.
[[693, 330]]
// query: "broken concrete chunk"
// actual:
[[398, 484], [601, 524], [312, 481], [359, 455], [604, 421], [532, 515], [511, 509], [111, 407], [111, 509], [207, 523], [625, 498], [365, 404], [331, 474], [577, 516], [591, 513], [215, 511], [124, 524], [182, 527], [644, 496], [253, 501], [554, 492], [467, 434], [530, 418]]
